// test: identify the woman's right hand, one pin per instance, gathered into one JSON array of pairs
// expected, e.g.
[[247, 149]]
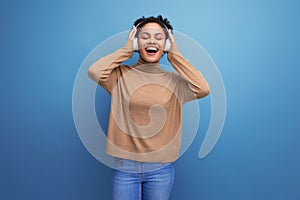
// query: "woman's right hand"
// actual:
[[129, 43]]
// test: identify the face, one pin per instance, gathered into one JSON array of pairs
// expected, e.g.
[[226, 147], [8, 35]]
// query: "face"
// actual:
[[151, 42]]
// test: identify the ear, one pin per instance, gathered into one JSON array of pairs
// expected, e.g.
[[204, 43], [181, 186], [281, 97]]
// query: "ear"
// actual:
[[168, 44]]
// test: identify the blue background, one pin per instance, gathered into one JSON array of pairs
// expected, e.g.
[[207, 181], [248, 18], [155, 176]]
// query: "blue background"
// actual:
[[255, 45]]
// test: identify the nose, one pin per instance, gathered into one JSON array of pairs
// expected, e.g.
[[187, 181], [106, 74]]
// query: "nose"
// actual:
[[152, 40]]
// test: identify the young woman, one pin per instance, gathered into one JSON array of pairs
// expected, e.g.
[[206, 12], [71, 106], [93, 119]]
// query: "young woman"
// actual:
[[144, 131]]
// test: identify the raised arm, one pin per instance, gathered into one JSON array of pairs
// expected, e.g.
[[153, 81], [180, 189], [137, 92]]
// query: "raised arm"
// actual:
[[103, 70], [195, 80]]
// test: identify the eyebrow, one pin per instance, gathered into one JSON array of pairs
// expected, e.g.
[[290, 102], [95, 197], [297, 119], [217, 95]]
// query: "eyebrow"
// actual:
[[149, 33]]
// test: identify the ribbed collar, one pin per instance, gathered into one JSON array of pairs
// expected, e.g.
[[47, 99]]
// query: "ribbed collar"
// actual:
[[148, 67]]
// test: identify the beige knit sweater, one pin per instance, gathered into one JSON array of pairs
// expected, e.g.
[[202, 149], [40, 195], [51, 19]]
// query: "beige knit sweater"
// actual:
[[146, 104]]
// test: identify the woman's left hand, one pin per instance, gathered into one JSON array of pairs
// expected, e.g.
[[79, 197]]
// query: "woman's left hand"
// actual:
[[171, 36], [173, 48]]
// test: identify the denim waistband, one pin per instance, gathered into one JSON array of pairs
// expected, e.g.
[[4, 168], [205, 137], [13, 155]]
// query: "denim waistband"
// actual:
[[126, 165]]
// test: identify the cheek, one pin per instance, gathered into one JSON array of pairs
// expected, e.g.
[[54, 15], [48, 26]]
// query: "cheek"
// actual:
[[142, 42], [162, 44]]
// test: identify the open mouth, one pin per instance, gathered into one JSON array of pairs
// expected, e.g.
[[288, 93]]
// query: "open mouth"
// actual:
[[151, 50]]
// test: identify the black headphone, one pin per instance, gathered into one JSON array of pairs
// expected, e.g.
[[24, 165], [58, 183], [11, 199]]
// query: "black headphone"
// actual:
[[135, 39]]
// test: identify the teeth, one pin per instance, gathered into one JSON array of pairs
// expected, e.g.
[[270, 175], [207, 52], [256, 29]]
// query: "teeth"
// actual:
[[152, 48]]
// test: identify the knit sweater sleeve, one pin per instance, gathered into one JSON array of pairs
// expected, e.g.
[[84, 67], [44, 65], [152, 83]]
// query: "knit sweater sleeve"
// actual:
[[105, 70], [193, 84]]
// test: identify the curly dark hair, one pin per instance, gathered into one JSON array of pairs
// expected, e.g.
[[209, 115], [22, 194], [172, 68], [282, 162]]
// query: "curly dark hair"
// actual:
[[163, 22]]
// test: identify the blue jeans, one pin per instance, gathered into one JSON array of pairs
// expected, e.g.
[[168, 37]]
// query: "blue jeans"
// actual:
[[142, 181]]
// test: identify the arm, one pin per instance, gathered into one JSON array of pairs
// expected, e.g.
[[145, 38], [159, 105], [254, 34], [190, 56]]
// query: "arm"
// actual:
[[196, 82], [103, 70]]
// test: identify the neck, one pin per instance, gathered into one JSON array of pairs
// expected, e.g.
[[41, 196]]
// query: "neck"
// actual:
[[148, 67], [142, 61]]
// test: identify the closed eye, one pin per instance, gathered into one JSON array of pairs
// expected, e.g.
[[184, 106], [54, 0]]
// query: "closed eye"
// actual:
[[145, 36], [159, 36]]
